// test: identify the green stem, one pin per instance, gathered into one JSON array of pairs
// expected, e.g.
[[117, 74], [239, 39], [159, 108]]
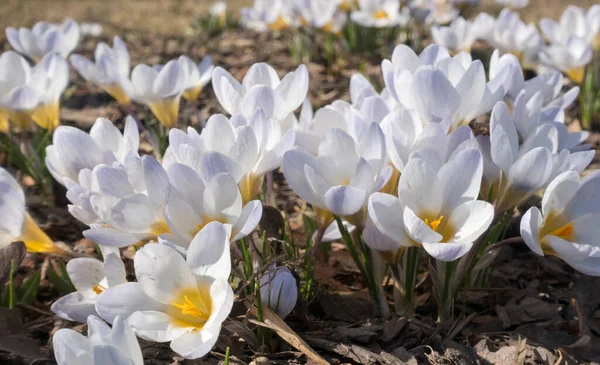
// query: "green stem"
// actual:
[[357, 259]]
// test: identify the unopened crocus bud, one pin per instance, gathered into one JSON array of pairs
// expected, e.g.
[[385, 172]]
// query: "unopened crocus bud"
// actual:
[[278, 290]]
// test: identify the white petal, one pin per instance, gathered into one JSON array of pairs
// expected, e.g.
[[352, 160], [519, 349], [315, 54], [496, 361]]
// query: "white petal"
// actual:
[[71, 348], [123, 300], [208, 254], [248, 219], [74, 307], [530, 229], [162, 272], [447, 251], [155, 326], [345, 200]]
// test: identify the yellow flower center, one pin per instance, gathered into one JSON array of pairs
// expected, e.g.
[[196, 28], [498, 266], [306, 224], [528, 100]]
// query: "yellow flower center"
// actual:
[[434, 224], [380, 14], [565, 232], [159, 228], [206, 220], [98, 289], [189, 308]]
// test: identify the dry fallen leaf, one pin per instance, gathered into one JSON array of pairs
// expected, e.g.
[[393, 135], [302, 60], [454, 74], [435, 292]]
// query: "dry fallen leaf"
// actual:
[[272, 321]]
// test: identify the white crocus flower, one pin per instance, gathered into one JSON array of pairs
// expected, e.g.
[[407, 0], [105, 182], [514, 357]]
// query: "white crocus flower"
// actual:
[[198, 76], [341, 177], [278, 290], [437, 204], [102, 346], [274, 15], [90, 277], [514, 4], [406, 135], [130, 202], [195, 202], [511, 35], [44, 38], [567, 225], [183, 301], [506, 70], [571, 57], [483, 26], [458, 36], [73, 150], [33, 93], [244, 148], [160, 88], [377, 13], [574, 22], [218, 10], [17, 224], [440, 88], [109, 71], [529, 115], [513, 171], [549, 86], [441, 12], [90, 29], [261, 88], [321, 14]]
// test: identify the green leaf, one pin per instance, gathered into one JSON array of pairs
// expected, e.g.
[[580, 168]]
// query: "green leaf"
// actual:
[[28, 290]]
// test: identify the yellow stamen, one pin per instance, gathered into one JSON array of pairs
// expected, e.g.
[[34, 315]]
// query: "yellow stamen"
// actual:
[[380, 14], [189, 308], [434, 224], [98, 289], [565, 232]]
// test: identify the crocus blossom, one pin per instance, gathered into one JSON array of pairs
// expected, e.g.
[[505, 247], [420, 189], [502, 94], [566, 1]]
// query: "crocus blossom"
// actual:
[[44, 38], [177, 300], [90, 278], [437, 204], [441, 89], [198, 76], [16, 223], [73, 150], [32, 93], [567, 224], [109, 71], [131, 202], [102, 346], [377, 13], [160, 88], [245, 148], [341, 177], [195, 202], [571, 57], [574, 22], [458, 36], [261, 88]]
